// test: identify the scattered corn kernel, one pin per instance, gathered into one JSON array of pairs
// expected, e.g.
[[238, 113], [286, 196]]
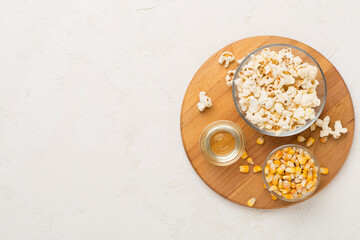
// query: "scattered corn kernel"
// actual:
[[310, 141], [313, 127], [256, 169], [251, 202], [250, 161], [324, 170], [244, 168], [323, 139], [300, 139], [260, 140], [244, 155]]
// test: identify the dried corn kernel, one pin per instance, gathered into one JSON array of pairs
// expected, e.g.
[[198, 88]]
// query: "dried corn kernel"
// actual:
[[290, 170], [291, 151], [310, 142], [244, 155], [260, 140], [300, 139], [310, 185], [256, 169], [244, 168], [265, 186], [288, 196], [266, 170], [250, 160], [324, 171], [281, 169], [313, 127], [272, 168], [323, 139], [251, 202], [278, 154], [273, 188], [273, 197]]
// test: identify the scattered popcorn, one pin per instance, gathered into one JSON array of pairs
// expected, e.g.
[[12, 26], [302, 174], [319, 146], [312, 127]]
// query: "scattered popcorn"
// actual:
[[326, 130], [277, 91], [205, 101], [338, 130], [229, 77], [226, 57]]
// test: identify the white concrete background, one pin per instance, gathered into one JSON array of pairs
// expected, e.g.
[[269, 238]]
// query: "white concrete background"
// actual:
[[90, 98]]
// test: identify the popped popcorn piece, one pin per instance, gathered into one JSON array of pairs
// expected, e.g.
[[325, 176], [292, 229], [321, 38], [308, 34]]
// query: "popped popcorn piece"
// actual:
[[205, 101], [229, 77], [338, 130], [277, 91], [226, 57], [239, 61], [326, 130]]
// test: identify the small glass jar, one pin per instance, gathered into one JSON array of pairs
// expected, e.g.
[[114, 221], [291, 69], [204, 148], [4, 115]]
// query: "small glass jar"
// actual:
[[222, 143]]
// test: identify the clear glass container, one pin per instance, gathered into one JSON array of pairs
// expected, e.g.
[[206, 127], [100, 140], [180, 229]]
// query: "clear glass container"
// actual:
[[315, 162], [321, 88], [222, 143]]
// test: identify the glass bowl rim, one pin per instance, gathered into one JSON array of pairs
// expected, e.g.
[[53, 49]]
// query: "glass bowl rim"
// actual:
[[317, 164], [287, 133]]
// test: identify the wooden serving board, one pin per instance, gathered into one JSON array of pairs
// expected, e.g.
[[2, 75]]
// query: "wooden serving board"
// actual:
[[228, 181]]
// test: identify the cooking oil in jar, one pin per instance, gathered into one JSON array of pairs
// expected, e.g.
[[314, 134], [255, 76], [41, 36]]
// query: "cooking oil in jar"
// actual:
[[222, 143]]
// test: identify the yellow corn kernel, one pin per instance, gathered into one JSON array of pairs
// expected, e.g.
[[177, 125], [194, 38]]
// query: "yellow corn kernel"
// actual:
[[302, 159], [323, 139], [293, 185], [275, 180], [244, 155], [312, 162], [266, 170], [285, 191], [272, 168], [309, 177], [244, 168], [290, 164], [265, 186], [273, 188], [297, 171], [312, 189], [286, 184], [251, 202], [307, 167], [290, 170], [291, 151], [310, 184], [299, 187], [250, 160], [300, 139], [310, 141], [269, 177], [273, 197], [313, 127], [277, 163], [286, 178], [288, 196], [280, 183], [278, 154], [293, 192], [324, 171], [280, 170], [256, 169], [260, 140], [307, 155]]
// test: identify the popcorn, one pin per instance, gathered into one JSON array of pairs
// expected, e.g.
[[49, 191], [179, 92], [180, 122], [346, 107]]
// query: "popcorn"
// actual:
[[205, 101], [326, 130], [226, 57], [229, 77], [338, 130], [277, 91]]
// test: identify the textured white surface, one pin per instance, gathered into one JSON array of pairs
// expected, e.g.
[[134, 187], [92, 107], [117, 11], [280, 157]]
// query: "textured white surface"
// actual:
[[90, 98]]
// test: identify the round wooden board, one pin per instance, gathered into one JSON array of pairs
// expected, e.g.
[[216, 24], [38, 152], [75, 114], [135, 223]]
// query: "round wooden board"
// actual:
[[228, 181]]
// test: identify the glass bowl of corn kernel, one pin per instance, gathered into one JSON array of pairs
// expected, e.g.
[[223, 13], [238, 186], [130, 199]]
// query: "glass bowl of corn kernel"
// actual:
[[291, 173]]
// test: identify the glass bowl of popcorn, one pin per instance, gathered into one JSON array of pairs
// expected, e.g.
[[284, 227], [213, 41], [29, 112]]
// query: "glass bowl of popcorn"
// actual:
[[279, 90], [291, 172]]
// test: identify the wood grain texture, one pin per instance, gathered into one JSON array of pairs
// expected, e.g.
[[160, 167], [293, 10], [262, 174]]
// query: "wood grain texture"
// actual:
[[228, 181]]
